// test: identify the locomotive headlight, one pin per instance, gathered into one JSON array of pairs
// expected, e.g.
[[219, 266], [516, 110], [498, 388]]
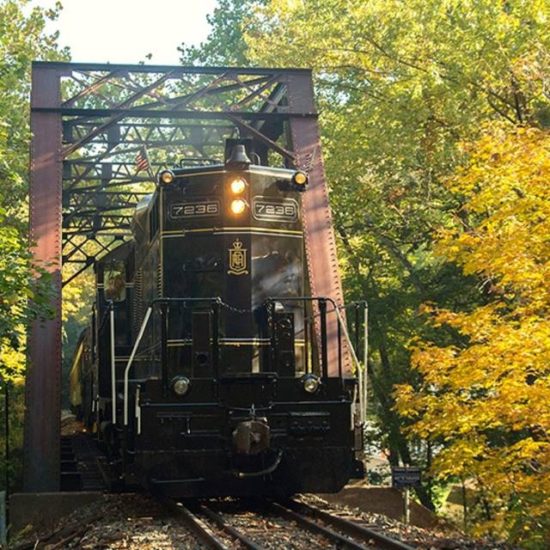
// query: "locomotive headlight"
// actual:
[[166, 177], [238, 206], [180, 385], [311, 383], [300, 178], [238, 185]]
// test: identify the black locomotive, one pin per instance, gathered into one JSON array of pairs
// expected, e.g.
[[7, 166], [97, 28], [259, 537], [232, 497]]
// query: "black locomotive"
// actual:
[[204, 371]]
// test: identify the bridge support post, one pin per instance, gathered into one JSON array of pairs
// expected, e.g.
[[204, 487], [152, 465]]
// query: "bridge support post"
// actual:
[[41, 467]]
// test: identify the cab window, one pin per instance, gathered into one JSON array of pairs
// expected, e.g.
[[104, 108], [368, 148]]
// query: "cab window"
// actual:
[[115, 282]]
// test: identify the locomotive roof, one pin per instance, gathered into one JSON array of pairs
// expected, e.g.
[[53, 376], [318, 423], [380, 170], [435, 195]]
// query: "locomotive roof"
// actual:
[[216, 168]]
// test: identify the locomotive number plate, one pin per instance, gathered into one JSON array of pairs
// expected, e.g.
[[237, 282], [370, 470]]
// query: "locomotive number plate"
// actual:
[[275, 210], [198, 209]]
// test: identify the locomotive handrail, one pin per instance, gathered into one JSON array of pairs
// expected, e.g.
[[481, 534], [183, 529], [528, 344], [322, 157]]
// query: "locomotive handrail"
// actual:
[[113, 359], [362, 372], [361, 369], [131, 360], [360, 379], [322, 301]]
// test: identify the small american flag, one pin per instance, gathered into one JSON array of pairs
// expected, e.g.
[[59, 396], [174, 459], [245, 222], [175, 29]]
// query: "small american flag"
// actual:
[[142, 160]]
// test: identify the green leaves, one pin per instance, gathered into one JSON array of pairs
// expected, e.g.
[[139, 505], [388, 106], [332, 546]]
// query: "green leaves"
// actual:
[[24, 289], [225, 44]]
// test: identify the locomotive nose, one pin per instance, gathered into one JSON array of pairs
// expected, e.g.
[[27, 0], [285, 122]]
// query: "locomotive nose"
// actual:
[[251, 437]]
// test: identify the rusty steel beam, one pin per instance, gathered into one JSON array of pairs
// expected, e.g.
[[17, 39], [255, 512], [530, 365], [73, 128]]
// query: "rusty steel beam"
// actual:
[[320, 240], [65, 67], [126, 108], [125, 104], [117, 114], [41, 470], [150, 134], [90, 89]]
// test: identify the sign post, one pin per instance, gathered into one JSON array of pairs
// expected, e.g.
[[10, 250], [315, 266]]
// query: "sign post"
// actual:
[[3, 520], [405, 478]]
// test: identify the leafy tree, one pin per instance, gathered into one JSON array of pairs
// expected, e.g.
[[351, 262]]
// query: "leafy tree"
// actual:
[[22, 296], [22, 40], [400, 86], [24, 289], [21, 299], [487, 399], [225, 45]]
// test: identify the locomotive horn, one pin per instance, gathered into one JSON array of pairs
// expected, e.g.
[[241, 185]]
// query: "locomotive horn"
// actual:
[[238, 157]]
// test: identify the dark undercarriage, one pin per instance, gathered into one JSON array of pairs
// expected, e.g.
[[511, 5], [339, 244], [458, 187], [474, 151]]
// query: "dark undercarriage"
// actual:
[[195, 449]]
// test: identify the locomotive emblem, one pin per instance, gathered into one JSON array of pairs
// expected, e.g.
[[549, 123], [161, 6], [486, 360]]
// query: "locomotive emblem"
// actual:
[[237, 259]]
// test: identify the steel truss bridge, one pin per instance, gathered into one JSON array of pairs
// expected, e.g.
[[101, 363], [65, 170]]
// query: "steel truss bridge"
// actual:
[[89, 122]]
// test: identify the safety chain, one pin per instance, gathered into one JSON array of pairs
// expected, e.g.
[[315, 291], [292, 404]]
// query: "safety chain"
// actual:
[[307, 319], [235, 309]]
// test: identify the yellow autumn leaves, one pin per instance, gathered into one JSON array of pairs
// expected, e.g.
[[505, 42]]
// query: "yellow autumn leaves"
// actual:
[[507, 193], [486, 403]]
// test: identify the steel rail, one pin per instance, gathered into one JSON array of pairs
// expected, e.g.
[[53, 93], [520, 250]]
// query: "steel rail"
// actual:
[[230, 530], [195, 525], [316, 528], [348, 527]]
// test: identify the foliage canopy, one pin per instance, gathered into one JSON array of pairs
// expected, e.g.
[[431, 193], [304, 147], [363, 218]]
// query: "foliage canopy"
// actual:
[[486, 401]]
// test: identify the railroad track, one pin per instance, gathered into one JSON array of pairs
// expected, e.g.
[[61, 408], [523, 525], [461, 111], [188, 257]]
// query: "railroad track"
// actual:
[[217, 526], [370, 535]]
